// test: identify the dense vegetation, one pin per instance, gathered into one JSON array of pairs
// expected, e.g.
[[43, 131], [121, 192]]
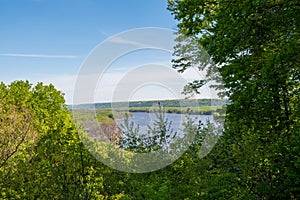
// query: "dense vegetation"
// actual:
[[255, 45], [43, 157]]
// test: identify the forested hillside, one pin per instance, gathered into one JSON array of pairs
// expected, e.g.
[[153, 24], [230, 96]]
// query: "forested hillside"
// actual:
[[164, 103]]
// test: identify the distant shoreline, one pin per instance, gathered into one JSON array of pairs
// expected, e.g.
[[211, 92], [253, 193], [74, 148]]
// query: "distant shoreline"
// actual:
[[176, 110], [179, 104]]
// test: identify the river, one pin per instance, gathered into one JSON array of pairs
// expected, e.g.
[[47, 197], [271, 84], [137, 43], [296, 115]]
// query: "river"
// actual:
[[143, 119]]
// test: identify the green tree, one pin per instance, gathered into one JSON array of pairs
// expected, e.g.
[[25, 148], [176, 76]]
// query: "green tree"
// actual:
[[42, 156], [255, 46]]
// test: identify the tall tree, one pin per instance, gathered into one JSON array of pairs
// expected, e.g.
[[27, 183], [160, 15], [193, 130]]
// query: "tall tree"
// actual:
[[255, 45]]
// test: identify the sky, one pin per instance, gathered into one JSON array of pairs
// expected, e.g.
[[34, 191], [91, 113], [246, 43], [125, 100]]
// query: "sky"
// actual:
[[49, 41]]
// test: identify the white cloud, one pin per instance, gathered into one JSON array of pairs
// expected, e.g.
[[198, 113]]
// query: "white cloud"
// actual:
[[39, 55], [120, 40]]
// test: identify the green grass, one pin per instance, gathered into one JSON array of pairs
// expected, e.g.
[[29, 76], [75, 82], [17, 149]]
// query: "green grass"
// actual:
[[104, 116]]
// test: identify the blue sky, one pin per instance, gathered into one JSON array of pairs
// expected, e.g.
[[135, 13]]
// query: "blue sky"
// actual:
[[48, 40]]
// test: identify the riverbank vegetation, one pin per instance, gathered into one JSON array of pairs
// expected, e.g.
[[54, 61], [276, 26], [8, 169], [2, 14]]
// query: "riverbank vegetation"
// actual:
[[205, 110]]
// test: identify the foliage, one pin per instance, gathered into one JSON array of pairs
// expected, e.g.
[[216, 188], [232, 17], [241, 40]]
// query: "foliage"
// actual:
[[53, 163], [41, 153], [255, 45]]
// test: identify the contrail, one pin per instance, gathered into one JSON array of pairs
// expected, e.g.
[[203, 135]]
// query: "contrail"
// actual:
[[39, 55]]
